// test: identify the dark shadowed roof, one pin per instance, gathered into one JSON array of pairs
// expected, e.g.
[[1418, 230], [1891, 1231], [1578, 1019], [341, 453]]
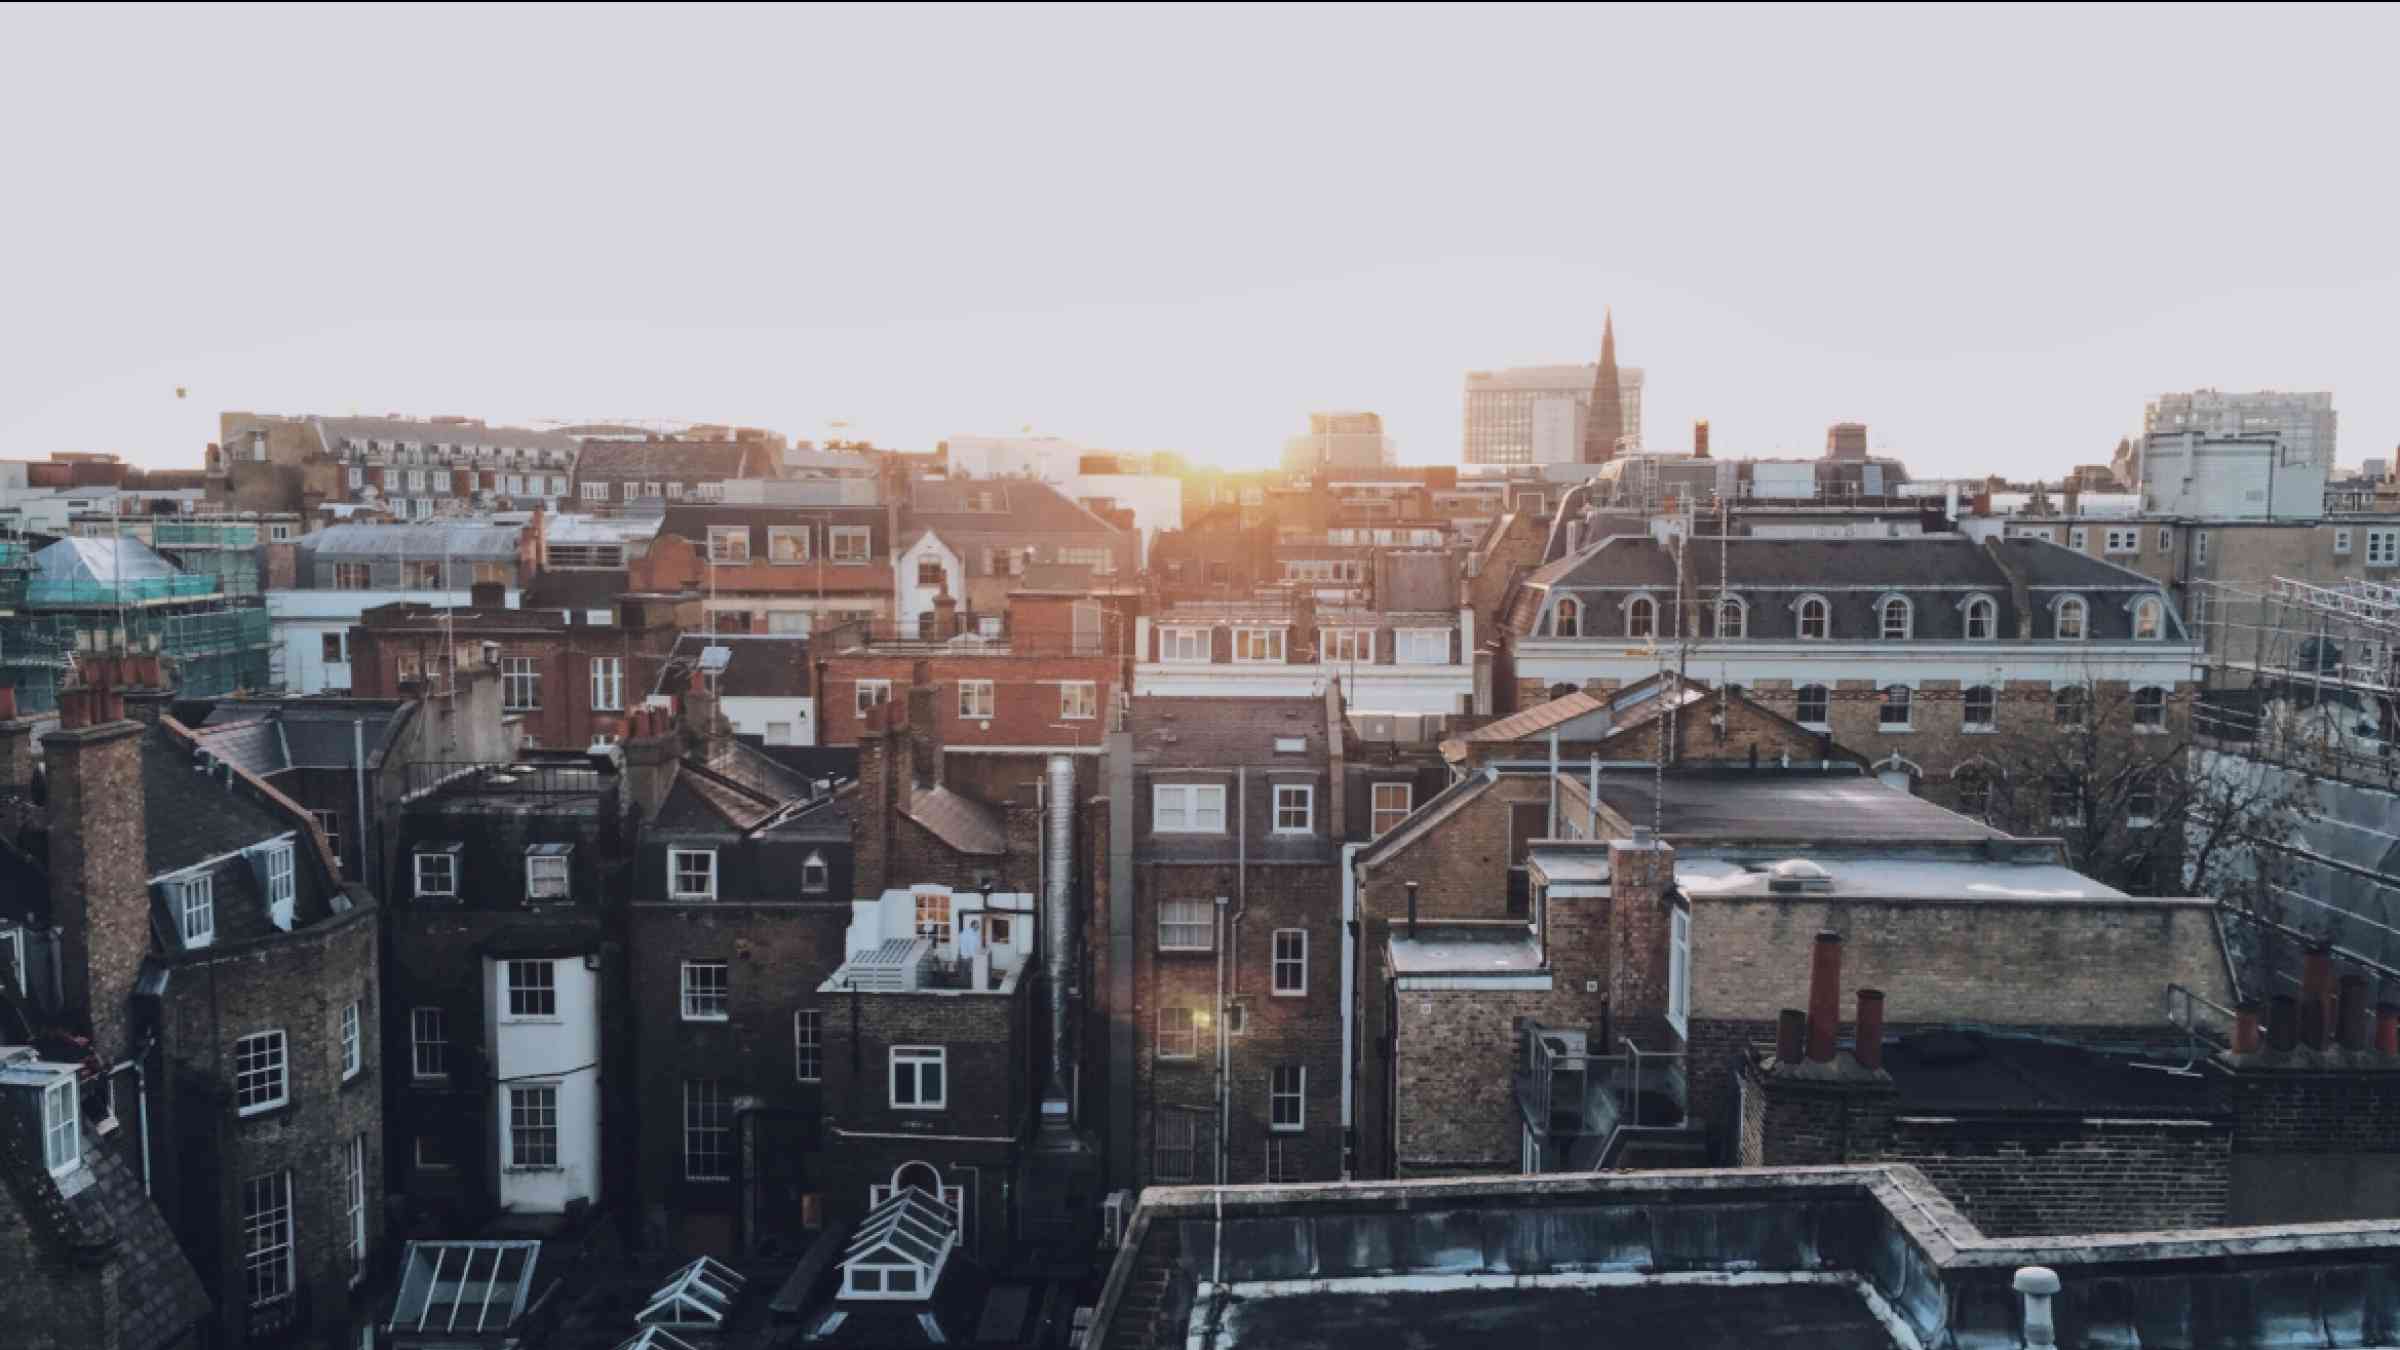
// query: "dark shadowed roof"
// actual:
[[756, 666], [1965, 1072], [191, 817], [576, 590], [671, 461], [159, 1292], [1219, 732], [1654, 1317], [960, 821], [1781, 804], [967, 507]]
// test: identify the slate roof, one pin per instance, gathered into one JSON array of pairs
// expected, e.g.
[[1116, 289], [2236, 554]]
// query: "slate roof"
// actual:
[[1222, 732], [676, 461], [1739, 804], [770, 666], [959, 821], [161, 1293], [266, 739], [194, 816], [1538, 719], [576, 590], [389, 429], [422, 542], [1964, 1072], [1017, 507]]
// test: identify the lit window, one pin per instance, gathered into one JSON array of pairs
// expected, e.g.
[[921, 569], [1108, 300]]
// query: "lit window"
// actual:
[[976, 698], [815, 877], [1894, 715], [1423, 647], [1813, 618], [1287, 1097], [1295, 809], [1178, 1033], [1258, 644], [1641, 617], [546, 876], [808, 1045], [2071, 614], [2149, 619], [707, 1131], [353, 1056], [267, 1264], [1566, 618], [788, 543], [2150, 709], [707, 990], [728, 543], [1187, 926], [1983, 618], [919, 1077], [1187, 808], [195, 901], [351, 577], [260, 1078], [1979, 708], [691, 874], [1812, 706], [1393, 802], [1895, 619], [533, 1125], [1291, 961], [429, 1043], [62, 1137], [1350, 646], [1078, 700]]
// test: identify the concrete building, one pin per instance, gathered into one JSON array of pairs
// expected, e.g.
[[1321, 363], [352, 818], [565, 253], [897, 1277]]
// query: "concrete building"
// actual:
[[1340, 440], [2305, 422], [2254, 476], [1538, 414]]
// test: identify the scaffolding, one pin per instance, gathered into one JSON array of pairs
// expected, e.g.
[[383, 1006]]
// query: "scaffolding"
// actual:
[[50, 619]]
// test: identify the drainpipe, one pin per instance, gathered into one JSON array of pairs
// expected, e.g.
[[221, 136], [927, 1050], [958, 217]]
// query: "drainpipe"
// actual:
[[1553, 831], [358, 761], [1224, 1104], [1058, 851], [1349, 993], [141, 1102]]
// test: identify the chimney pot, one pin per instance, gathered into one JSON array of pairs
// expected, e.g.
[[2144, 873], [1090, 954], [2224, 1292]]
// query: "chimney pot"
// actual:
[[1791, 1035], [2316, 985], [2387, 1030], [2283, 1030], [1870, 1029], [1824, 996], [2245, 1029], [2350, 1017]]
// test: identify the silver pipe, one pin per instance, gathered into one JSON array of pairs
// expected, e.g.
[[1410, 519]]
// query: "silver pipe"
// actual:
[[1058, 856]]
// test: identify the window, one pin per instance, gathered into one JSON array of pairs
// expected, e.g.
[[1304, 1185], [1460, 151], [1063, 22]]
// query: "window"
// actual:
[[62, 1137], [12, 955], [1813, 618], [2150, 709], [2079, 539], [2141, 800], [919, 1077], [1257, 644], [1812, 707], [1286, 1161], [2125, 540], [595, 492], [1566, 617], [421, 576], [1187, 926], [1295, 809], [532, 989], [1291, 962], [520, 684], [1078, 700], [933, 915], [2341, 543], [354, 1203], [1183, 644], [353, 1055], [871, 692], [608, 684], [1393, 802], [707, 988], [2066, 803], [280, 888], [808, 1045], [847, 543], [2166, 540], [2200, 546], [2383, 548], [707, 1131], [815, 877], [929, 573], [999, 930], [1983, 618], [1424, 647], [691, 874], [1287, 1097], [1187, 808], [1175, 1148], [728, 543], [2149, 619], [1178, 1033], [195, 900], [1679, 970], [975, 698], [1894, 714], [267, 1238], [2066, 706], [788, 543], [1895, 615], [1641, 617], [260, 1080], [1733, 618], [1349, 645], [331, 649], [2071, 613], [429, 1043], [329, 824], [437, 874], [358, 478], [533, 1125], [351, 577], [1978, 709]]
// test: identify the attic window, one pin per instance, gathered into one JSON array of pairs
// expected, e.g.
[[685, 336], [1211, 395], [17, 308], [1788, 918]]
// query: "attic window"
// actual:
[[62, 1141], [1291, 745], [546, 871], [194, 903]]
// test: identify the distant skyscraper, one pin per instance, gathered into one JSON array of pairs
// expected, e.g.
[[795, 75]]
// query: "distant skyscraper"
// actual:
[[1537, 414], [1340, 440], [1604, 428], [2304, 421]]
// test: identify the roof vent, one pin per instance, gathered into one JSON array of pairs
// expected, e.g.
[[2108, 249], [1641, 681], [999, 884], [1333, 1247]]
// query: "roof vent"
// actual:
[[1798, 875]]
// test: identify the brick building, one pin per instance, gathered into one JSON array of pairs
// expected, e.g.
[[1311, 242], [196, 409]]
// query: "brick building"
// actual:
[[776, 569], [414, 468], [618, 471], [224, 982]]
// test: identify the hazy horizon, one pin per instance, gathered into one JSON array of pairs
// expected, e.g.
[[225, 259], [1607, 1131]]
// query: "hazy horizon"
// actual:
[[1989, 233]]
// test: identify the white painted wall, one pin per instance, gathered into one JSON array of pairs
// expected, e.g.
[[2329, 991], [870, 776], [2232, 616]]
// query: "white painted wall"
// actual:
[[753, 716], [910, 599], [1573, 661], [2192, 474], [299, 621], [564, 1050], [893, 915]]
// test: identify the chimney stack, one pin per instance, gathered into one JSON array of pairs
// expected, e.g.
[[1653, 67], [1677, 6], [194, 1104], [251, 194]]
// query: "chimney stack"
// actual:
[[2387, 1030], [2316, 981], [1791, 1036], [1870, 1028], [16, 747], [1700, 439], [99, 882], [486, 595], [1824, 997]]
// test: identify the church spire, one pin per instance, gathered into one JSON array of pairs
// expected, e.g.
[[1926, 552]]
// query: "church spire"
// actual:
[[1606, 424]]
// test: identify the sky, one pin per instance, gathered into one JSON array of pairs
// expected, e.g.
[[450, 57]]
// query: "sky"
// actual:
[[1990, 234]]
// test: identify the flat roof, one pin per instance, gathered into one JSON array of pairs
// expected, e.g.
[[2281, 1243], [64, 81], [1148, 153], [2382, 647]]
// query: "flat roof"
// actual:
[[1833, 1314], [1782, 804], [1457, 949], [1897, 877]]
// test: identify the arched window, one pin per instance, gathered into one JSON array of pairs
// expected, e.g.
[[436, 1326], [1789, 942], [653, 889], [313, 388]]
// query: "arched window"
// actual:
[[1894, 611], [1895, 708], [1814, 617], [1733, 618], [2071, 615], [1566, 618], [1641, 617], [1812, 706], [2150, 709], [1979, 709], [1983, 618], [2149, 619], [2066, 706]]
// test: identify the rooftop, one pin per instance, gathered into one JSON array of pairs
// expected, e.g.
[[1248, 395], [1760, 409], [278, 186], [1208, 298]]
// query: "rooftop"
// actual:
[[1747, 804]]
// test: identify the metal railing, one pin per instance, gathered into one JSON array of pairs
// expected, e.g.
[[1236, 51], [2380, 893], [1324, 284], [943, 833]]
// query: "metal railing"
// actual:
[[534, 779], [1634, 1089]]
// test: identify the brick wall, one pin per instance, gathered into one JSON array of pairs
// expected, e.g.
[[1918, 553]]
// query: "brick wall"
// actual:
[[1028, 708], [99, 882], [1457, 1110]]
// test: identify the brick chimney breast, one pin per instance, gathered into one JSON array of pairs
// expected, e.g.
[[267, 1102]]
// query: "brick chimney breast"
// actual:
[[99, 874]]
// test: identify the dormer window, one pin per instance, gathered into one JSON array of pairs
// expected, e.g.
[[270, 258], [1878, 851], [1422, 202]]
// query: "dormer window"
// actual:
[[1983, 618], [62, 1136], [1641, 617], [691, 874], [546, 876], [1894, 612], [2071, 620], [1566, 619], [194, 902], [2149, 619], [1733, 618], [437, 872], [1815, 618]]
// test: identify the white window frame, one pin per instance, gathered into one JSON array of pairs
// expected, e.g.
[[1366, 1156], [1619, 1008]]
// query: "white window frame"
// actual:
[[707, 1131], [329, 824], [728, 543], [12, 956], [1184, 645], [1377, 826], [803, 535], [2383, 548], [268, 1241], [1296, 1095], [1435, 639], [262, 1065], [815, 876], [2155, 610], [2199, 546], [978, 700], [1302, 798], [1192, 803], [1989, 610], [1179, 916], [2083, 619], [701, 1001], [195, 899], [421, 1020], [1893, 696], [1641, 617], [1800, 706], [1288, 963], [354, 1203], [1739, 610], [1178, 1032], [2079, 539], [2166, 540], [1824, 619], [595, 492], [1966, 709], [533, 998], [920, 1059], [1349, 646], [608, 684], [848, 545], [2122, 539], [1078, 700], [1265, 645], [2341, 542], [353, 1045], [935, 916], [870, 694], [1679, 970], [676, 889], [1883, 618], [808, 1045], [2147, 721], [62, 1130], [520, 1110], [520, 684], [549, 876]]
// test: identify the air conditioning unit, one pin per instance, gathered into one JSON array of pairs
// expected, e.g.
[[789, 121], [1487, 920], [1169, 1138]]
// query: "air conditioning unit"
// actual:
[[1114, 1212]]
